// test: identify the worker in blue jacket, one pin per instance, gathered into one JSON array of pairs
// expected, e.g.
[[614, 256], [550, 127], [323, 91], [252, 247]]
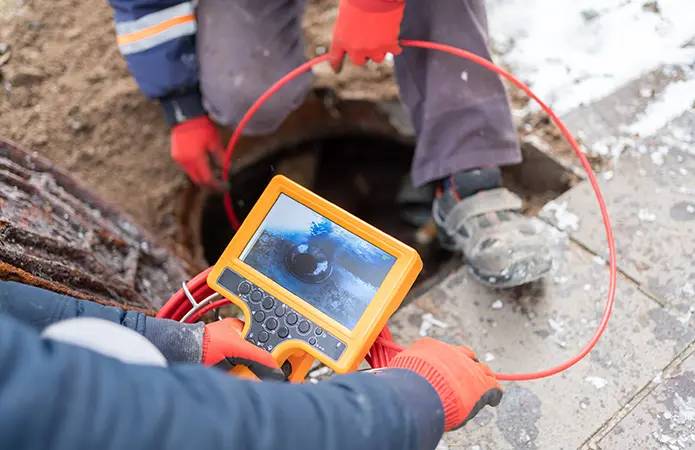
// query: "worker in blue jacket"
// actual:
[[62, 396], [208, 61]]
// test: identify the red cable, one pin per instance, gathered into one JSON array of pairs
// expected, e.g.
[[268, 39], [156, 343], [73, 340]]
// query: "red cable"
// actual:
[[384, 348]]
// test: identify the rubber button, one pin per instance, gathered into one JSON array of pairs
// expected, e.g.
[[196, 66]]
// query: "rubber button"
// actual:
[[263, 336], [256, 295], [280, 310], [291, 319], [318, 331], [244, 287], [268, 303], [271, 323], [312, 340], [259, 316], [304, 326], [283, 332]]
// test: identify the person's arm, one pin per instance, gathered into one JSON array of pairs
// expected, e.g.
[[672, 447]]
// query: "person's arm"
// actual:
[[157, 39], [40, 308], [64, 397]]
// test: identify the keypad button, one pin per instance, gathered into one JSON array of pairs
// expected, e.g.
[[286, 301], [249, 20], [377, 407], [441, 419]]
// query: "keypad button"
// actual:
[[256, 295], [268, 302], [244, 287], [259, 316], [312, 340], [271, 323], [304, 326], [318, 331], [291, 319], [280, 310], [283, 332], [263, 336]]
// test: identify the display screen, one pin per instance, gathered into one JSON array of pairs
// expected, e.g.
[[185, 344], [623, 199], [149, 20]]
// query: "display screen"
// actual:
[[319, 261]]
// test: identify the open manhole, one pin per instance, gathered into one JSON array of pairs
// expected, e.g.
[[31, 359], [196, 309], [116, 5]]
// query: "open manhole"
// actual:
[[364, 174]]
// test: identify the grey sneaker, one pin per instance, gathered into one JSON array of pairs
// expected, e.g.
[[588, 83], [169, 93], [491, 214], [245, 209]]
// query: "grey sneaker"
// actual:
[[503, 247]]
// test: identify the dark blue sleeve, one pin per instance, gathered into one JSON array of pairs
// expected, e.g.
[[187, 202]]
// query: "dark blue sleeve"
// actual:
[[65, 398], [157, 39], [40, 308]]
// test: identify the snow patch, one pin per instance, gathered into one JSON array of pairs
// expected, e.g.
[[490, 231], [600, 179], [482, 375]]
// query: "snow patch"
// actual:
[[644, 215], [428, 321], [576, 52], [597, 382], [676, 98], [564, 219]]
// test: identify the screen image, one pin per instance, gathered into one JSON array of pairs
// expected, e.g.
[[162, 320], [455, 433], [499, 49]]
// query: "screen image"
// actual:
[[321, 262]]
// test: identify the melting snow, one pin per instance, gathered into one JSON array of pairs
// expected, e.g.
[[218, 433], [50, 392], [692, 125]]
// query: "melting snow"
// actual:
[[564, 219], [688, 290], [597, 382], [428, 321], [676, 98], [686, 408], [657, 156], [575, 52], [644, 215]]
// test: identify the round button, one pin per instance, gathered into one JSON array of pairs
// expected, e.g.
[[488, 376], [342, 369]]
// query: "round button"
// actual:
[[271, 323], [268, 302], [259, 316], [312, 340], [318, 331], [280, 310], [283, 332], [244, 287], [256, 295], [263, 336], [291, 319], [303, 326]]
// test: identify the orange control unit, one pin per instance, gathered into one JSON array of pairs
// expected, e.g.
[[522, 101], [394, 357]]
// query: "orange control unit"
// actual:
[[313, 281]]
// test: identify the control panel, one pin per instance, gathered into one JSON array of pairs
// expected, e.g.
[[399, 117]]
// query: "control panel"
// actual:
[[273, 322]]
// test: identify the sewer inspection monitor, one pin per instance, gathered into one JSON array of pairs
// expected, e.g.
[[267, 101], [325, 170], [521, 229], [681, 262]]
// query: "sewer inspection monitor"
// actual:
[[313, 281]]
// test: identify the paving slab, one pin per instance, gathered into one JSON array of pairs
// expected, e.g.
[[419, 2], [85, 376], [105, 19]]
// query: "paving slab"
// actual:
[[608, 120], [665, 419], [540, 325], [651, 199]]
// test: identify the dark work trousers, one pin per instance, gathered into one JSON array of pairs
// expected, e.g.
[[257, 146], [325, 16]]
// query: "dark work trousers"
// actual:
[[460, 111]]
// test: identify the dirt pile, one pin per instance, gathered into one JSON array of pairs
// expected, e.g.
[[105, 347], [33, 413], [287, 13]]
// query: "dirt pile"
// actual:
[[66, 93]]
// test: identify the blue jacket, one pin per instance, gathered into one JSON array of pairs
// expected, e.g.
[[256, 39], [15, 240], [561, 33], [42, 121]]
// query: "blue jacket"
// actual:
[[57, 396], [157, 39]]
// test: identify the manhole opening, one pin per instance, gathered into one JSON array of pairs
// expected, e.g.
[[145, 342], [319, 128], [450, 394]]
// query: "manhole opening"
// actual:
[[364, 175]]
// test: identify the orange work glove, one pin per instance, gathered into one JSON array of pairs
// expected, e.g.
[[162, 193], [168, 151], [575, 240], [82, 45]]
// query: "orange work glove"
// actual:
[[464, 385], [191, 143], [222, 340], [366, 29]]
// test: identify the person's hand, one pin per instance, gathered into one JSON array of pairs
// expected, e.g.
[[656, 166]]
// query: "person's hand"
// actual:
[[463, 383], [222, 340], [192, 143], [366, 29]]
